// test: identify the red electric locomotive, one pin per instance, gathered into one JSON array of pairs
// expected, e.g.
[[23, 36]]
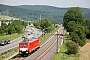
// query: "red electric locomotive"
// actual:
[[28, 45]]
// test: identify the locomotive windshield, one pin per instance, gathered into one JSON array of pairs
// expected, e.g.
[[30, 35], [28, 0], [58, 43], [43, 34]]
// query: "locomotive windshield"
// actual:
[[24, 44]]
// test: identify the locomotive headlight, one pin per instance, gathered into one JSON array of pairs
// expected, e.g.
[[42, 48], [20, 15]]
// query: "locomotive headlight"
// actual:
[[26, 52]]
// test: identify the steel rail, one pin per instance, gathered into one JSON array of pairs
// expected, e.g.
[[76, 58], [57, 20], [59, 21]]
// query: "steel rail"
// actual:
[[43, 53]]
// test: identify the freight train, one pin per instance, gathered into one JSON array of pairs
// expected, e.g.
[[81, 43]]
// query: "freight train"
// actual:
[[28, 45]]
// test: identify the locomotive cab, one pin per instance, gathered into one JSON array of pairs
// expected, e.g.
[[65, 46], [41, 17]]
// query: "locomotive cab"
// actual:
[[23, 48]]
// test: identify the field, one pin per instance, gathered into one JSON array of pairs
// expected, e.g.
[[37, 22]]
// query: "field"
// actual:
[[2, 17], [85, 52]]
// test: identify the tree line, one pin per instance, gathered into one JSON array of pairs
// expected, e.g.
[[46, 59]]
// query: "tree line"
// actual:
[[77, 26], [15, 26]]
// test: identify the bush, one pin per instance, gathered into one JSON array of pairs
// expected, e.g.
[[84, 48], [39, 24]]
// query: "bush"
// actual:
[[72, 47]]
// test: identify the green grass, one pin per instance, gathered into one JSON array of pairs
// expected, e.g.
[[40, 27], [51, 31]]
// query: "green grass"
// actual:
[[11, 37], [63, 56], [62, 53], [43, 37], [47, 35], [8, 53]]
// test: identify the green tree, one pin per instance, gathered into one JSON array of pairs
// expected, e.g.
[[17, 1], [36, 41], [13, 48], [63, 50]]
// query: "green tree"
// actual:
[[46, 25], [78, 35], [9, 24], [71, 26], [3, 26], [24, 23], [1, 31], [75, 25], [75, 37], [72, 47], [73, 14], [37, 24], [17, 25], [88, 26], [10, 30]]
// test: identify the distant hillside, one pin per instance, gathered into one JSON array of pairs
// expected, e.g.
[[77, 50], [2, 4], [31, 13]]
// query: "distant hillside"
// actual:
[[54, 14], [86, 13], [3, 17], [33, 12]]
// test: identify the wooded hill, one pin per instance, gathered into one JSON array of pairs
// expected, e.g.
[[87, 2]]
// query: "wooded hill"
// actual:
[[33, 12]]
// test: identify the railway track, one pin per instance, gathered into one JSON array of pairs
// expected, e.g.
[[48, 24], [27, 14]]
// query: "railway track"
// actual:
[[20, 58], [52, 41], [43, 52], [47, 41]]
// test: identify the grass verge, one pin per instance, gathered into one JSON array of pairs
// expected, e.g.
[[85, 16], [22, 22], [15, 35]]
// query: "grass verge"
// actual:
[[11, 37], [47, 35], [63, 56], [8, 53]]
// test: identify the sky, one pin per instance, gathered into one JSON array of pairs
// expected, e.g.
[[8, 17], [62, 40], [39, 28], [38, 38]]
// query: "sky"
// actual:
[[56, 3]]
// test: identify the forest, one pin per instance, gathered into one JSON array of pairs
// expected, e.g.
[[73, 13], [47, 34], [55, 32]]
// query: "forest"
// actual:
[[33, 12]]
